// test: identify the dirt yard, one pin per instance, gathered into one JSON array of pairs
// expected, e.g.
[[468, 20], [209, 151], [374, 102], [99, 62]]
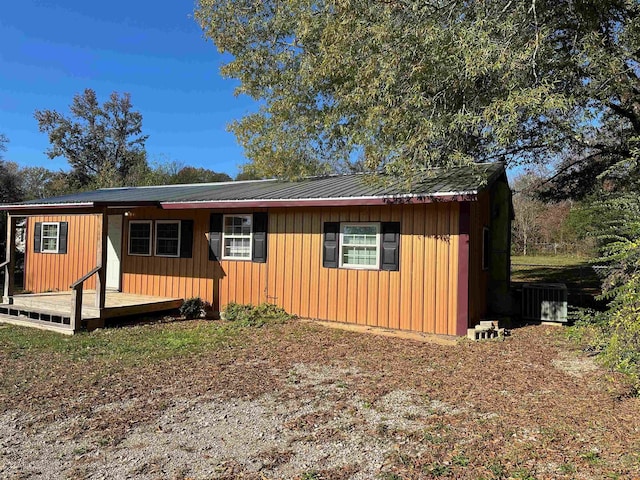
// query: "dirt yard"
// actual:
[[301, 401]]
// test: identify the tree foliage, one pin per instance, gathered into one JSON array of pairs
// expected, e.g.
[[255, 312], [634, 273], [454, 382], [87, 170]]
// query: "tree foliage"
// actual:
[[103, 144], [10, 189], [3, 144], [40, 182], [617, 328], [198, 175], [406, 85], [547, 226], [172, 172], [10, 185]]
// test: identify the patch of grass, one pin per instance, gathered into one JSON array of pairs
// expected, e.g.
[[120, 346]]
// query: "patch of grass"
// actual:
[[497, 469], [311, 475], [81, 450], [129, 345], [389, 476], [442, 426], [523, 474], [552, 260], [431, 438], [438, 470], [460, 460], [591, 457], [567, 468]]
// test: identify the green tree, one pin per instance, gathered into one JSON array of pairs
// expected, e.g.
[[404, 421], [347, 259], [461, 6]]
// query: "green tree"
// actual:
[[10, 185], [40, 182], [103, 144], [10, 190], [199, 175], [617, 328], [172, 172], [401, 86], [248, 172]]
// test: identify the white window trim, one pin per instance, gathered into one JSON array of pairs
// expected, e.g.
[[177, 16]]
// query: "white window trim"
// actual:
[[378, 246], [224, 235], [148, 222], [42, 237], [165, 222], [485, 235]]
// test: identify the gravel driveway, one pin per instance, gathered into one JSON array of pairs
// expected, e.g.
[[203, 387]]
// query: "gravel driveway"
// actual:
[[342, 406]]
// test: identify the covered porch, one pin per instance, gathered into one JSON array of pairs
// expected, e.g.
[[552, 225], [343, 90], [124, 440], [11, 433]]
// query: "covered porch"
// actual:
[[82, 297], [55, 311]]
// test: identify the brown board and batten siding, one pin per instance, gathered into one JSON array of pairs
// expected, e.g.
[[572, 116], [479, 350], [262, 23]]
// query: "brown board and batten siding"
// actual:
[[480, 218], [431, 277], [421, 296], [51, 272], [216, 282]]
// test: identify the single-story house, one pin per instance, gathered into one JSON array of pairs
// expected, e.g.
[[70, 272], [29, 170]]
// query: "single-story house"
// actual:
[[429, 257]]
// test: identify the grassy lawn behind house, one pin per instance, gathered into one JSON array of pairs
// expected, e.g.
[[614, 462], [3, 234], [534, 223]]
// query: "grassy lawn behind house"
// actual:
[[550, 260], [576, 272]]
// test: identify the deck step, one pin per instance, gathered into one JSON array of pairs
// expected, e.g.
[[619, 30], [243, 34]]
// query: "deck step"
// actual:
[[23, 321], [31, 313]]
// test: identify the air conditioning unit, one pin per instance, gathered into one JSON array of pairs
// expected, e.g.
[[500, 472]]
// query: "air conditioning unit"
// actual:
[[544, 302]]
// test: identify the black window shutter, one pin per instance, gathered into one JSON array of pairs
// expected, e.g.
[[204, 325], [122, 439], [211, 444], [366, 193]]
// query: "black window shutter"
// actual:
[[215, 236], [260, 227], [186, 238], [37, 237], [390, 258], [62, 241], [330, 245]]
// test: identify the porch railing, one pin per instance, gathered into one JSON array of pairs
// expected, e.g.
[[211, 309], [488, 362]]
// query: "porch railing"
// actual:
[[4, 266], [77, 288]]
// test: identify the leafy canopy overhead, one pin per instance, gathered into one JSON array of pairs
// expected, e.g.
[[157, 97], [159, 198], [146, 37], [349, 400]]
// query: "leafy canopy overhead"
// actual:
[[103, 144], [405, 85]]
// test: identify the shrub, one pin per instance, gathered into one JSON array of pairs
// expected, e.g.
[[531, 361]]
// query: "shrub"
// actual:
[[193, 308], [255, 316], [615, 332]]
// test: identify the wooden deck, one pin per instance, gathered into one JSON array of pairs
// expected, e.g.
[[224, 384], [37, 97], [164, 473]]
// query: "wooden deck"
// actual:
[[44, 310]]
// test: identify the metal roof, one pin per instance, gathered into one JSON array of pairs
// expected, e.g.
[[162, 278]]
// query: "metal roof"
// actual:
[[458, 181]]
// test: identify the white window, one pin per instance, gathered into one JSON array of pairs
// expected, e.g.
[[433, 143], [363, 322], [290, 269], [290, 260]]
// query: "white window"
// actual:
[[140, 237], [50, 237], [360, 245], [168, 238], [236, 237]]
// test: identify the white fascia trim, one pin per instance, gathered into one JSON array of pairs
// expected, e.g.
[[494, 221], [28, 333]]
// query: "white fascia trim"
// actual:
[[29, 206]]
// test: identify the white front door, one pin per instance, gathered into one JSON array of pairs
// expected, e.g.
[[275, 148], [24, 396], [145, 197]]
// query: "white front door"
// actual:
[[114, 251]]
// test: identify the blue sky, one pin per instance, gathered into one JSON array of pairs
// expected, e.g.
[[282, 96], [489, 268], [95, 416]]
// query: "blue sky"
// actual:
[[51, 50]]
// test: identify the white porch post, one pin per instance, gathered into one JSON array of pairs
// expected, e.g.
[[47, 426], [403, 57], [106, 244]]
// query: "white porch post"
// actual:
[[9, 270], [101, 277]]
